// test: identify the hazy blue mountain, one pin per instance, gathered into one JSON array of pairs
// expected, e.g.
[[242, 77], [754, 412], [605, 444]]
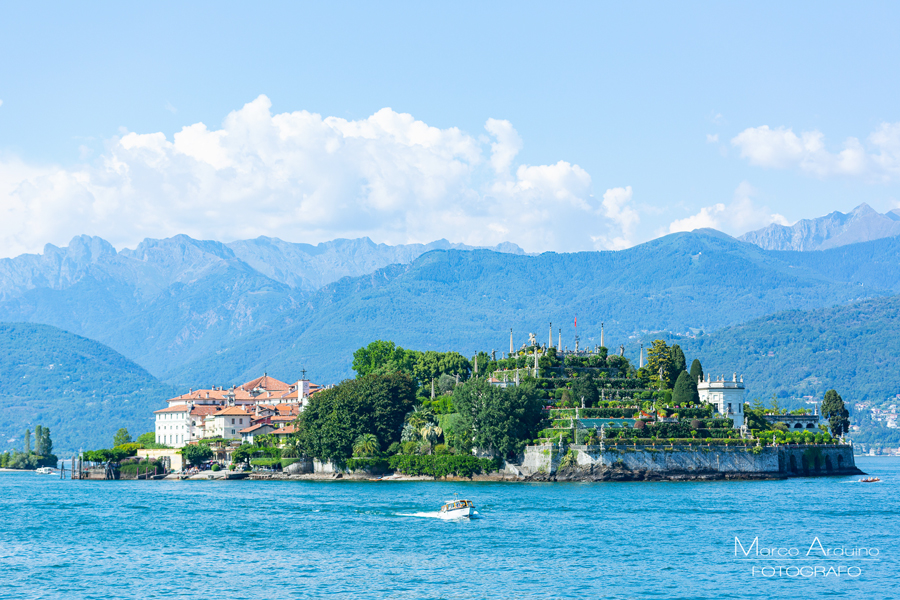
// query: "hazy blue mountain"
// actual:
[[161, 304], [82, 390], [310, 267], [467, 301], [193, 312], [175, 300], [862, 224]]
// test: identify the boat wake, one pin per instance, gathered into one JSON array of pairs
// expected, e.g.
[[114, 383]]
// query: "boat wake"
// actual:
[[426, 515], [436, 515]]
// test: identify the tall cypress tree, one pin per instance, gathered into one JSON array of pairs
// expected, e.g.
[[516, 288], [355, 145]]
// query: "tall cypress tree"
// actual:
[[696, 370], [678, 361], [46, 442], [685, 392], [837, 414], [27, 441]]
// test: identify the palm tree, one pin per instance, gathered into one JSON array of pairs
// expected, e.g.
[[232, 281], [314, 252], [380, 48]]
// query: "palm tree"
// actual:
[[366, 445], [419, 417], [431, 433], [291, 447], [265, 440]]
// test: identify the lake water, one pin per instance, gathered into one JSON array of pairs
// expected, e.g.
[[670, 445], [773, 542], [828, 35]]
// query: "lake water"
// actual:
[[242, 539]]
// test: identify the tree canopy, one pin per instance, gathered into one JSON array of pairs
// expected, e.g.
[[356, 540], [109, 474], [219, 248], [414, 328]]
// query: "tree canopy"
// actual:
[[122, 437], [384, 357], [837, 414], [685, 392], [335, 418], [196, 454], [696, 370], [493, 418]]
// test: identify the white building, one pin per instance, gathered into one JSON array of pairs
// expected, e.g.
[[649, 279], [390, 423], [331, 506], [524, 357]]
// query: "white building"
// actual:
[[227, 424], [726, 396], [173, 425]]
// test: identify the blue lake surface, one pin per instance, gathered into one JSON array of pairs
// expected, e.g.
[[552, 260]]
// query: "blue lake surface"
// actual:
[[243, 539]]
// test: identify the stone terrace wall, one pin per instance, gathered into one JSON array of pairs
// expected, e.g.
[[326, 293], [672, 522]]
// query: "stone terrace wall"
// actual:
[[767, 460]]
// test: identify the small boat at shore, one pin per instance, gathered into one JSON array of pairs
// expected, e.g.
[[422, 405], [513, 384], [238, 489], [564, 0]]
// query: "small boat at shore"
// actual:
[[869, 480], [457, 509], [45, 470]]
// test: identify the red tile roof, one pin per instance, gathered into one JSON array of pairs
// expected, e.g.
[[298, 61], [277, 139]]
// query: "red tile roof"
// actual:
[[266, 383], [172, 409], [233, 411], [201, 410], [253, 428], [286, 430]]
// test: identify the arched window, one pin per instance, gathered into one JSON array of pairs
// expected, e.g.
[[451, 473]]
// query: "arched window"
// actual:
[[798, 426]]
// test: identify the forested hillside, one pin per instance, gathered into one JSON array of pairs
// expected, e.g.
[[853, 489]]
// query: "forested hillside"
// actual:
[[852, 348], [82, 390]]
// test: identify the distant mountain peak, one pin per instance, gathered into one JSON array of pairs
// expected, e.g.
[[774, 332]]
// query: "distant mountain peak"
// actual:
[[862, 224]]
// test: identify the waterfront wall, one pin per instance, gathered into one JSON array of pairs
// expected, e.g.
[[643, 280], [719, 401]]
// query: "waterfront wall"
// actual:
[[736, 461]]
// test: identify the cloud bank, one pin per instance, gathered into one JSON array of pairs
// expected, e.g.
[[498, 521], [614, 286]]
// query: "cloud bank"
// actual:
[[305, 178], [741, 215], [781, 148]]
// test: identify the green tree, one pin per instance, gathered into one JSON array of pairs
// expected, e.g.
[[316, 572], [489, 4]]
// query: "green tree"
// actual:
[[336, 417], [382, 357], [485, 366], [27, 441], [685, 392], [837, 414], [659, 363], [196, 454], [420, 416], [678, 362], [366, 444], [38, 439], [146, 439], [243, 453], [584, 387], [122, 437], [696, 370], [46, 443], [496, 419]]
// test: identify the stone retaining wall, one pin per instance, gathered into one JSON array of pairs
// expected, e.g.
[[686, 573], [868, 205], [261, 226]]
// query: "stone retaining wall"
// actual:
[[775, 461]]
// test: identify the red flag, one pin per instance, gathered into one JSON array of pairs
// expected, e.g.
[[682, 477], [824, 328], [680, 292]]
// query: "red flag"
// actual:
[[576, 320]]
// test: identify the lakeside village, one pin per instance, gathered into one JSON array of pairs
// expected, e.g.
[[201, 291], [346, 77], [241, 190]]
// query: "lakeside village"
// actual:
[[539, 412]]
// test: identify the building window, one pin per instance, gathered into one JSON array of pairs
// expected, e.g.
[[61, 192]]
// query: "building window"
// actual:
[[232, 422]]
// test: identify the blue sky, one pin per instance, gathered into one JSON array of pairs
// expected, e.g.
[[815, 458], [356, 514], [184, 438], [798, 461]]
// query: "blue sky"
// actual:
[[611, 124]]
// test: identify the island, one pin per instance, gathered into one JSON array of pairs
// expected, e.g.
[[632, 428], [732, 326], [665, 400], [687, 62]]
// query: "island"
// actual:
[[539, 412]]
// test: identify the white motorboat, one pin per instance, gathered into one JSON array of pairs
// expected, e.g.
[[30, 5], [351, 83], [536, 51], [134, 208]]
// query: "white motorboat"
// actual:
[[457, 509], [44, 471]]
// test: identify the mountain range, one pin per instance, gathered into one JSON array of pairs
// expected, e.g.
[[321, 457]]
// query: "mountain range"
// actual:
[[195, 312], [192, 312], [862, 224]]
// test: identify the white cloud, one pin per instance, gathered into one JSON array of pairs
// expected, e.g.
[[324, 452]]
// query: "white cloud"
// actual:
[[625, 219], [303, 177], [712, 138], [742, 214], [781, 148]]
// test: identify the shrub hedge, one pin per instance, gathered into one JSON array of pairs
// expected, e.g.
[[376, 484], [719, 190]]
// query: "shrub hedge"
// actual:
[[444, 465]]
